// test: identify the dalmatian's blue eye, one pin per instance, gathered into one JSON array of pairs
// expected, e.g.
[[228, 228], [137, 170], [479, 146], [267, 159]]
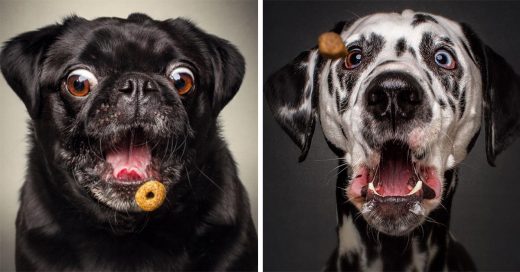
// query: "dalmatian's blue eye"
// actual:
[[444, 59], [354, 58]]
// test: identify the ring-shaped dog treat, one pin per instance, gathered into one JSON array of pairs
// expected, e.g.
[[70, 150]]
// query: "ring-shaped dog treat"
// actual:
[[150, 195]]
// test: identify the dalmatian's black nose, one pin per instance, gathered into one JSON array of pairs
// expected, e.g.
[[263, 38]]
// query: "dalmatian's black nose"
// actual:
[[394, 97]]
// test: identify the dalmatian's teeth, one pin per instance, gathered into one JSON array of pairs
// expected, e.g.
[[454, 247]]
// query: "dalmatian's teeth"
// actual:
[[418, 186], [372, 188]]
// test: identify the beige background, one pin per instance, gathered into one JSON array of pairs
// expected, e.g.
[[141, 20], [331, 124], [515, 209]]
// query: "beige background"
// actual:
[[235, 21]]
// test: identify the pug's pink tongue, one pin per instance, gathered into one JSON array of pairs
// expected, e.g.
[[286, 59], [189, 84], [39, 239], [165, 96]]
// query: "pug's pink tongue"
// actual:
[[129, 163]]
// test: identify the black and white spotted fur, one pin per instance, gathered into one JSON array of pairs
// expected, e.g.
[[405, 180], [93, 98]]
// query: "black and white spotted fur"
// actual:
[[441, 133]]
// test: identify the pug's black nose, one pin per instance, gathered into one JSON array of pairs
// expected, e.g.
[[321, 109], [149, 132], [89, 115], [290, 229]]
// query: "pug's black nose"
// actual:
[[394, 97], [137, 86], [136, 94]]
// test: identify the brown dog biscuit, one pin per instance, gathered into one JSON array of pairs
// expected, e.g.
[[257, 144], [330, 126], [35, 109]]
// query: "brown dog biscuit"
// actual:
[[150, 195], [331, 46]]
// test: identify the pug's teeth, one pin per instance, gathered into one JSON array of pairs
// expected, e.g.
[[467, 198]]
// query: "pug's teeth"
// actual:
[[418, 186], [372, 188]]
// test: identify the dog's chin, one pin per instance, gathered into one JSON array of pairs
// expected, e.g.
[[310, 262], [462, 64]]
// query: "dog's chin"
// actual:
[[396, 194], [113, 169]]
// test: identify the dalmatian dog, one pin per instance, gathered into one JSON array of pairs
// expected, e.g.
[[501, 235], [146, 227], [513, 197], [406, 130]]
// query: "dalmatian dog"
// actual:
[[401, 111]]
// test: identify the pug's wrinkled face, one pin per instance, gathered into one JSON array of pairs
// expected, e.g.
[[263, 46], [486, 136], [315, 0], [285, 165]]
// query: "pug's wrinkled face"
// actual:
[[123, 104], [123, 101]]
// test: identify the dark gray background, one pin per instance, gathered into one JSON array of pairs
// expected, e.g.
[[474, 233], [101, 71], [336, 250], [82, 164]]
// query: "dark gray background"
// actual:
[[299, 198]]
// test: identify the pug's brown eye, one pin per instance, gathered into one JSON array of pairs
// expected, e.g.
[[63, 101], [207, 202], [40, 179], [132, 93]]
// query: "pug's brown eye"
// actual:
[[78, 85], [79, 82], [182, 79]]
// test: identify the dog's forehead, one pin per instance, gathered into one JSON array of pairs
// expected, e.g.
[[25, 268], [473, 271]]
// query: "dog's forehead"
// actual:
[[396, 25], [128, 44], [121, 45]]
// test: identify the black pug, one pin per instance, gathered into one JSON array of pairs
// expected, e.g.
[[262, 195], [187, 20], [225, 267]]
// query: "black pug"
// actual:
[[113, 103]]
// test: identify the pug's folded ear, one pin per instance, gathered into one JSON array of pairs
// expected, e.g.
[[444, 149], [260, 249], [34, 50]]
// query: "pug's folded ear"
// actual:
[[229, 69], [227, 63], [501, 93], [21, 62]]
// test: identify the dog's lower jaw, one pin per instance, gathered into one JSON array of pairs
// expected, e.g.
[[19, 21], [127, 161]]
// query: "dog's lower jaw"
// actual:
[[428, 247]]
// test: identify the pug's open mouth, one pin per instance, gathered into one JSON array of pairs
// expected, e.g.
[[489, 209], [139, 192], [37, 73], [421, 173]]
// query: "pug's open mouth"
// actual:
[[129, 160], [120, 163]]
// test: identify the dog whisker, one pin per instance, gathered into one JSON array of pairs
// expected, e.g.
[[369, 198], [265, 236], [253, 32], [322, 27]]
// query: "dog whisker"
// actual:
[[211, 180]]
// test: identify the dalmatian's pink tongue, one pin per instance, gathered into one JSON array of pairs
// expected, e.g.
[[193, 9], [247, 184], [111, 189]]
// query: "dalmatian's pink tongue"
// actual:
[[394, 176], [130, 163]]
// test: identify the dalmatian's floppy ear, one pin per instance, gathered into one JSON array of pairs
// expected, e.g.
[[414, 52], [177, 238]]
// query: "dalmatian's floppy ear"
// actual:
[[501, 86], [292, 95]]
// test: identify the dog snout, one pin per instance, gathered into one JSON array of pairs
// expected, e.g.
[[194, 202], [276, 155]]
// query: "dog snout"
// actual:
[[137, 86], [394, 97], [135, 93]]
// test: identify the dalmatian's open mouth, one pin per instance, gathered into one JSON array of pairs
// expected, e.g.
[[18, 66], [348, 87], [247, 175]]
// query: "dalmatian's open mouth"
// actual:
[[395, 194], [396, 177]]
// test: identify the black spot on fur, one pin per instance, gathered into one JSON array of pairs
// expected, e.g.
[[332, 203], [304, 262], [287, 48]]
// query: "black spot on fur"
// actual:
[[343, 105], [466, 48], [319, 66], [442, 103], [351, 81], [445, 81], [346, 80], [422, 18], [343, 132], [400, 47], [447, 40], [430, 79], [462, 102], [412, 51], [455, 89], [426, 45], [452, 105], [331, 83], [427, 115], [343, 84], [338, 106]]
